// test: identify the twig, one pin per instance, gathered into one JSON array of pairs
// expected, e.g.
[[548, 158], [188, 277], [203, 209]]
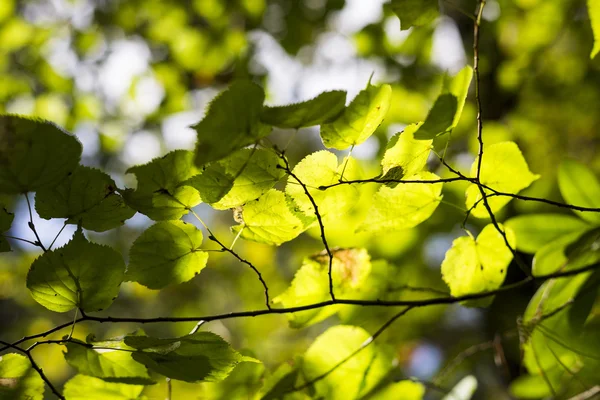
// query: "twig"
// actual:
[[32, 225]]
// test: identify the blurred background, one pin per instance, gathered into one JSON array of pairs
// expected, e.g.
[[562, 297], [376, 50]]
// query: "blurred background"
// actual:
[[129, 77]]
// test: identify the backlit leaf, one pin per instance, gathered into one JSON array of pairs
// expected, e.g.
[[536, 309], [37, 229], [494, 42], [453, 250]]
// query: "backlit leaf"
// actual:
[[354, 378], [166, 253], [571, 251], [579, 186], [404, 206], [83, 387], [415, 12], [473, 266], [231, 122], [359, 120], [322, 108], [405, 154], [6, 219], [201, 356], [271, 219], [87, 197], [447, 109], [594, 12], [79, 275], [405, 390], [18, 381], [34, 154], [160, 193], [503, 169]]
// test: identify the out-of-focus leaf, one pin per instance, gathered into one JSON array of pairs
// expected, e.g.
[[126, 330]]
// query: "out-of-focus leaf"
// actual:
[[579, 186], [594, 12], [463, 390], [6, 219], [83, 387], [322, 108], [529, 387], [18, 381], [534, 231], [415, 12], [405, 390]]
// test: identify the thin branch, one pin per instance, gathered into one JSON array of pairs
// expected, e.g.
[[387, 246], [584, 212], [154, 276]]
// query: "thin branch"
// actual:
[[400, 181], [57, 235], [18, 238], [32, 225]]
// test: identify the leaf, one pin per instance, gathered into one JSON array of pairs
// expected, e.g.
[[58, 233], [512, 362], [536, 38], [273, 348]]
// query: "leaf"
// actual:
[[82, 387], [537, 230], [404, 206], [594, 12], [34, 154], [254, 172], [529, 387], [166, 253], [321, 169], [316, 111], [350, 269], [80, 274], [231, 122], [447, 109], [405, 390], [463, 390], [160, 193], [280, 383], [354, 378], [110, 366], [202, 356], [212, 183], [415, 12], [579, 186], [359, 120], [474, 266], [503, 169], [18, 381], [404, 154], [271, 219], [6, 219], [87, 197]]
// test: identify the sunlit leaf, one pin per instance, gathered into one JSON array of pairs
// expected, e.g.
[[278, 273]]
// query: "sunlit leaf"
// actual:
[[231, 122], [405, 155], [359, 120], [201, 356], [18, 381], [503, 169], [83, 387], [415, 12], [447, 109], [79, 275], [594, 13], [109, 365], [6, 219], [322, 108], [529, 387], [280, 383], [579, 186], [350, 269], [212, 183], [271, 219], [321, 169], [160, 193], [34, 154], [474, 266], [534, 231], [355, 377], [405, 390], [404, 206], [166, 253], [87, 197], [463, 390]]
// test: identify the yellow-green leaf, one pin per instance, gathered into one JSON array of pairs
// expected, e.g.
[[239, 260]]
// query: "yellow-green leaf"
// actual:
[[82, 387], [18, 381], [405, 390], [579, 186], [594, 12], [404, 154], [322, 108]]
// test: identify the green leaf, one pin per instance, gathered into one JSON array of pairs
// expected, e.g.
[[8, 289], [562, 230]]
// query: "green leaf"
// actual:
[[34, 154], [109, 365], [404, 206], [415, 12], [87, 197], [350, 269], [572, 251], [82, 387], [80, 274], [231, 122], [359, 120], [322, 108], [537, 230], [474, 266], [160, 193], [405, 390], [404, 154], [529, 387], [594, 12], [166, 253], [280, 383], [504, 169], [271, 219], [254, 172], [212, 183], [6, 219], [18, 381], [447, 109], [202, 356], [579, 186], [354, 378], [321, 169]]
